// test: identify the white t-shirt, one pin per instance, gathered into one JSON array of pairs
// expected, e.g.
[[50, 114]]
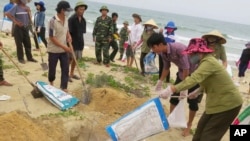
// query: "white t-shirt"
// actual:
[[135, 33]]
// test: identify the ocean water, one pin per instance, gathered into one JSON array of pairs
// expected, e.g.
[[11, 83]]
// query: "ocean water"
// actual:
[[188, 27]]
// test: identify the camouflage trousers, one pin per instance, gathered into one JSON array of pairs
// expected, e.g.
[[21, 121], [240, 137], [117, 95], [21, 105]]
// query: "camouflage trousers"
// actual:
[[102, 47]]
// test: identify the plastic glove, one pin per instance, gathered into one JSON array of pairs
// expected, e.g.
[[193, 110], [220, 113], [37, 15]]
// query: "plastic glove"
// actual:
[[166, 93], [158, 85], [194, 94], [183, 94]]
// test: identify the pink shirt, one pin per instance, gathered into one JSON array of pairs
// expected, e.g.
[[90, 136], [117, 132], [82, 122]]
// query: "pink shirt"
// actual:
[[175, 56]]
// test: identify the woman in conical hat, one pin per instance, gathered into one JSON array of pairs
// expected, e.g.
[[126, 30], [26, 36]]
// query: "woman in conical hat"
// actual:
[[149, 27], [215, 41]]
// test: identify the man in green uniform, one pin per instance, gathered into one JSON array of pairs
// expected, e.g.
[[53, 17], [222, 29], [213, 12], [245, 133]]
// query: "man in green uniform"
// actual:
[[123, 38], [102, 35], [115, 37]]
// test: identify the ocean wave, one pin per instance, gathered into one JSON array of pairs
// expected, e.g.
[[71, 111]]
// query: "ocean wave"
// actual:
[[235, 38], [90, 21]]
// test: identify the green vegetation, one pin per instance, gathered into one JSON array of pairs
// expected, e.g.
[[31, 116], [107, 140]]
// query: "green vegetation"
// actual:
[[130, 86], [8, 67], [24, 72], [45, 74]]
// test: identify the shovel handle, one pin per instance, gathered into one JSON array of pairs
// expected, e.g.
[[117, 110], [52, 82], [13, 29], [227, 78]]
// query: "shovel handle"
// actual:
[[33, 85], [77, 66]]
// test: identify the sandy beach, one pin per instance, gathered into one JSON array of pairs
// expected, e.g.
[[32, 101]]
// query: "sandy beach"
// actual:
[[30, 123]]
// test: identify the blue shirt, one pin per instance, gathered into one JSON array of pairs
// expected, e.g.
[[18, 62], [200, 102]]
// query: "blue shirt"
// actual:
[[168, 38], [39, 19], [7, 7]]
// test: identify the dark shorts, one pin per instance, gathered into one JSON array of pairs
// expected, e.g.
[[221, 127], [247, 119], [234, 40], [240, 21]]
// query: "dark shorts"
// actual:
[[193, 103], [78, 54]]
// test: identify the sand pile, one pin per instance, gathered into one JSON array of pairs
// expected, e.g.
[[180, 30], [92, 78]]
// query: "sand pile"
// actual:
[[17, 126], [113, 102]]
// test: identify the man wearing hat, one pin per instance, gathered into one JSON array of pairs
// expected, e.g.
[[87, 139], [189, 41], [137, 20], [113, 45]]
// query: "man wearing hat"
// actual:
[[77, 27], [19, 14], [102, 36], [134, 38], [39, 23], [57, 45], [149, 27], [123, 38], [215, 41]]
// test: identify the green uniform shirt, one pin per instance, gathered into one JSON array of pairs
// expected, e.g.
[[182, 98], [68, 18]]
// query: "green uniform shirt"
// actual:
[[123, 35], [222, 94], [219, 52], [144, 47], [103, 29]]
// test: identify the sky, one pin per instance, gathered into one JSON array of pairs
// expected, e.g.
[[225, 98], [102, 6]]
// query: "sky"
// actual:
[[226, 10]]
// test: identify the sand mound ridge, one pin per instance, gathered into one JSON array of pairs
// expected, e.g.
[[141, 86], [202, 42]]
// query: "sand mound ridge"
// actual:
[[18, 126]]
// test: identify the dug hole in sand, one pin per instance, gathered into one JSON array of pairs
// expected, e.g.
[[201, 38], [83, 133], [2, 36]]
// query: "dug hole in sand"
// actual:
[[106, 106]]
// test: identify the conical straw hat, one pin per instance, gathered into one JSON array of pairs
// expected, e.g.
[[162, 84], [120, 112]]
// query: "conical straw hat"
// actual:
[[151, 22], [217, 34]]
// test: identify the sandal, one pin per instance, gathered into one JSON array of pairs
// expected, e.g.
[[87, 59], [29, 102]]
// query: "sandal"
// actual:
[[5, 83], [75, 77]]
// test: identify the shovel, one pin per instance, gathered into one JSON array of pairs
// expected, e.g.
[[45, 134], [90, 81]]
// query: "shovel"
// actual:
[[86, 95], [35, 92], [43, 64]]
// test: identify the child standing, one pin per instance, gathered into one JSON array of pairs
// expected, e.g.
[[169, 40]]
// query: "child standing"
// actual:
[[123, 38]]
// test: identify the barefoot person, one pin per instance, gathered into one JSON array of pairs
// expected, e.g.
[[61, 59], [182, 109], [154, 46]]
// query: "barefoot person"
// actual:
[[134, 37], [77, 27], [102, 35], [57, 45], [2, 81], [172, 53], [19, 14], [223, 99]]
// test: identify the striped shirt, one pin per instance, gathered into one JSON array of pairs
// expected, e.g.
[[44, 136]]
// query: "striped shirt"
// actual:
[[20, 14]]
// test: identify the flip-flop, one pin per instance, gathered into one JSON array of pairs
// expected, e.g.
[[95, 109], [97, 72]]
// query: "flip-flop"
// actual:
[[5, 83], [75, 77]]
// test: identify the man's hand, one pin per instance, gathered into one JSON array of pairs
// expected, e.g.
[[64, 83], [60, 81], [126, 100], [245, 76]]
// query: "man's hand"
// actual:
[[19, 24], [194, 94], [166, 92], [67, 49], [38, 30]]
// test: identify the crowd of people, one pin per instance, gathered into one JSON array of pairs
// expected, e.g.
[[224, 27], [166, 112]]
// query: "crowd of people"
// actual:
[[199, 70]]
